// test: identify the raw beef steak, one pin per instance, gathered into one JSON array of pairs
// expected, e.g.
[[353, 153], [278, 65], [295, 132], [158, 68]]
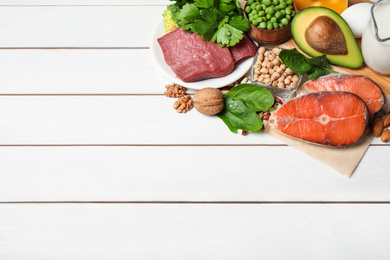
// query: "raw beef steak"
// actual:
[[245, 48], [193, 59]]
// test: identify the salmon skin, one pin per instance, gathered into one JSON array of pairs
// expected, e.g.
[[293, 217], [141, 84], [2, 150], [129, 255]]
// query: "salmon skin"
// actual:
[[362, 86], [330, 118]]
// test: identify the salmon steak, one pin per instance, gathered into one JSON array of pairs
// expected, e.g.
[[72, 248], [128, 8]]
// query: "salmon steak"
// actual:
[[328, 118], [362, 86]]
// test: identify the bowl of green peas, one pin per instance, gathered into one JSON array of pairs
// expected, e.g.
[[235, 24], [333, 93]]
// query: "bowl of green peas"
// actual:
[[270, 20]]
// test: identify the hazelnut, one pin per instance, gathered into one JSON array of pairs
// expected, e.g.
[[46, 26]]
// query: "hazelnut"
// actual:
[[208, 101]]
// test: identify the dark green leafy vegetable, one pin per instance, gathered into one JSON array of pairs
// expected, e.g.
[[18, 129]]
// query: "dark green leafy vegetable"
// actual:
[[237, 115], [300, 64], [256, 97], [242, 104], [218, 21]]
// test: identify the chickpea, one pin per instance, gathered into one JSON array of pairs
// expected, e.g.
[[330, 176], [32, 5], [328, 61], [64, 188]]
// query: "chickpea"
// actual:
[[271, 56], [276, 62], [287, 81], [275, 76], [267, 81], [261, 50], [264, 70], [269, 65], [295, 78], [289, 71], [280, 84]]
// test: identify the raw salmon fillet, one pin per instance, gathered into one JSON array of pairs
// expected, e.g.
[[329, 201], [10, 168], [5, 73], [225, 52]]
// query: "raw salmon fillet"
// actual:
[[326, 118], [362, 86]]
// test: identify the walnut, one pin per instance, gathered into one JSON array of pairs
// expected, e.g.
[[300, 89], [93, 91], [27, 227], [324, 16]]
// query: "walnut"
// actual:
[[183, 104], [209, 101], [175, 91]]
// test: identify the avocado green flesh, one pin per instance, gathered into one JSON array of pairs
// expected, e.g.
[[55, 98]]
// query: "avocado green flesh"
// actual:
[[353, 59]]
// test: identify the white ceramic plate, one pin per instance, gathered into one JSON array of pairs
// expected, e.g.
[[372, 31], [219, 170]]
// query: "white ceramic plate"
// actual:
[[240, 69]]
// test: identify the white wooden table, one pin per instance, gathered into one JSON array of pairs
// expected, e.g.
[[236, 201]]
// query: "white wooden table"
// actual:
[[96, 164]]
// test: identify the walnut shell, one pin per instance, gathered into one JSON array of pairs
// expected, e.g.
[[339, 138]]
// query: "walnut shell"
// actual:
[[208, 101]]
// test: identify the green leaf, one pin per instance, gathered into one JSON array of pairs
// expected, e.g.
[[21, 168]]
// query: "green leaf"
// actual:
[[204, 3], [295, 60], [188, 14], [240, 23], [201, 27], [227, 35], [320, 61], [226, 6], [300, 64], [315, 73], [257, 98], [210, 16], [236, 115]]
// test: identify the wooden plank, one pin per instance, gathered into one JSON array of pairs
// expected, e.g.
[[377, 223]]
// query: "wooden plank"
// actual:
[[110, 120], [193, 231], [199, 173], [90, 26], [75, 71]]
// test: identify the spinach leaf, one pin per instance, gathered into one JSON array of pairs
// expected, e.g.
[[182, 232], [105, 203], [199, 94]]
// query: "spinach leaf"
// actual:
[[300, 64], [256, 97], [295, 60], [236, 115]]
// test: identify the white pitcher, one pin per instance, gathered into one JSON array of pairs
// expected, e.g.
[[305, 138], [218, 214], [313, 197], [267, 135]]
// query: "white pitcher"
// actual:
[[376, 38]]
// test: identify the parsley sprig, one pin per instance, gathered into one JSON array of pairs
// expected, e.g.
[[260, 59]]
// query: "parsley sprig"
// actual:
[[218, 21]]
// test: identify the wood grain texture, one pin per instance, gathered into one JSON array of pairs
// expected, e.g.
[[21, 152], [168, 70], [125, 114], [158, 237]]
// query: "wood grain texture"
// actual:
[[196, 173], [80, 71], [195, 232]]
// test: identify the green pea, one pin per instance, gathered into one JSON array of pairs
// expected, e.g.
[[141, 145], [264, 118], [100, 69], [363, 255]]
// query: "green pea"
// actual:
[[261, 13], [283, 12], [255, 22], [248, 9], [249, 2], [267, 2], [250, 18], [288, 17], [255, 16], [285, 21], [273, 20], [259, 20], [276, 2], [282, 5], [258, 8], [278, 15], [275, 25], [263, 25], [268, 16], [253, 6], [280, 25], [289, 2], [292, 13], [269, 26], [288, 10]]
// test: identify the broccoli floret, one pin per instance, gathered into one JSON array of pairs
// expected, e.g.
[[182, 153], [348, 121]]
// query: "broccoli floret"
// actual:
[[169, 21]]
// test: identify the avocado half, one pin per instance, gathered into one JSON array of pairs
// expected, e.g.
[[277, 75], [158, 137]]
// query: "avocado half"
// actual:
[[320, 30]]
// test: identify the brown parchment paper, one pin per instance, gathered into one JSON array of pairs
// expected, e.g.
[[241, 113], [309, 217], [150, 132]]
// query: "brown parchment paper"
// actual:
[[344, 160]]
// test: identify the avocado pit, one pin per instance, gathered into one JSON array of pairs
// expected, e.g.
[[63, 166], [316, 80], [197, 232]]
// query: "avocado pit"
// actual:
[[325, 35]]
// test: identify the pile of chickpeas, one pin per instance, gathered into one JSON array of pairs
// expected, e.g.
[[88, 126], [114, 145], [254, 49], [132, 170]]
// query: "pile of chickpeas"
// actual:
[[270, 70]]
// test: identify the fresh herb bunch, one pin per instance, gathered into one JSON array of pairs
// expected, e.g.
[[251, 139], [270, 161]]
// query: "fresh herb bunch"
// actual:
[[218, 21], [300, 64]]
